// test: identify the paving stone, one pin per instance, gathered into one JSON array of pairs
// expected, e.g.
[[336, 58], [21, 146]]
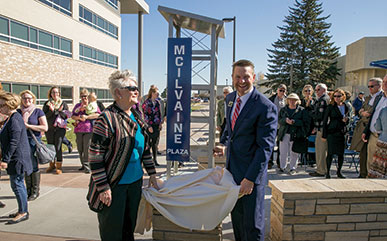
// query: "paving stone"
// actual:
[[346, 218], [345, 226], [347, 236], [332, 209], [305, 207]]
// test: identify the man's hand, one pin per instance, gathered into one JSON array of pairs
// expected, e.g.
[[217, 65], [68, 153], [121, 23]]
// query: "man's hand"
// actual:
[[246, 187], [365, 114], [218, 128], [106, 197], [324, 139], [219, 150], [363, 137]]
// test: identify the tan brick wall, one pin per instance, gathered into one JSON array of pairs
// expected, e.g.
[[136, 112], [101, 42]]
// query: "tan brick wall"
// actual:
[[352, 215], [26, 65]]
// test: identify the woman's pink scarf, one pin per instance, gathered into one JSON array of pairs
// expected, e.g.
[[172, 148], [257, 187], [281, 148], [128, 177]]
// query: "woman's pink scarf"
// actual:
[[27, 111]]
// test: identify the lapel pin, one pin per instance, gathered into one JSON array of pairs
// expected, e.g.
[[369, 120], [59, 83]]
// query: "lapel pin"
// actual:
[[230, 103]]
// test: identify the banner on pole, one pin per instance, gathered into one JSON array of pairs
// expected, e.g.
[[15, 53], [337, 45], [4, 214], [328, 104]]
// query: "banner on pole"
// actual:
[[179, 99]]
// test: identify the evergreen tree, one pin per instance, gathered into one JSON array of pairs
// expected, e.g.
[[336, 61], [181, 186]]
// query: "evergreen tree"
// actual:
[[304, 53]]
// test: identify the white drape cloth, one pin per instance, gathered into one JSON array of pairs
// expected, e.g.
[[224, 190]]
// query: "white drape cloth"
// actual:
[[198, 201]]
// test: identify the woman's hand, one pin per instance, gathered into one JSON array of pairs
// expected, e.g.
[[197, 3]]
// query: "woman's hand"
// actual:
[[289, 121], [150, 129], [106, 197], [153, 182]]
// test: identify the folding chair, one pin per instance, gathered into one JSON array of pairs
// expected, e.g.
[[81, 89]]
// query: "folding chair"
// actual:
[[311, 151]]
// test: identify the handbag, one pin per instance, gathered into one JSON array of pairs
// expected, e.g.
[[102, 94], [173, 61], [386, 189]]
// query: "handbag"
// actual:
[[44, 152], [60, 122]]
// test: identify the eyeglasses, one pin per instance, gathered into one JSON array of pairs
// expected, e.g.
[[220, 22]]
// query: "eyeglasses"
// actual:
[[83, 96], [372, 86], [130, 88], [282, 90], [318, 89], [337, 96], [26, 98], [307, 90]]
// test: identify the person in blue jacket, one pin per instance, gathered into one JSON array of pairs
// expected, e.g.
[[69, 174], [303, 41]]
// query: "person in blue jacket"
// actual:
[[15, 152], [248, 140]]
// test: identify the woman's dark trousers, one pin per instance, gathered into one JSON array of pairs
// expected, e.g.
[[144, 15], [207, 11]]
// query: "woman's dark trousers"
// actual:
[[55, 137], [340, 161], [117, 222]]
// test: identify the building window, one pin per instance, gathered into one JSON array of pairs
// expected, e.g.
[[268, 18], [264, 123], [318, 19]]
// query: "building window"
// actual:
[[113, 3], [96, 56], [25, 35], [63, 6], [88, 17], [40, 91]]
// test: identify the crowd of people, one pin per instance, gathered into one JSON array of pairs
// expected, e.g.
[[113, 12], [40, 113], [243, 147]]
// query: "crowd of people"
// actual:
[[336, 124], [114, 144]]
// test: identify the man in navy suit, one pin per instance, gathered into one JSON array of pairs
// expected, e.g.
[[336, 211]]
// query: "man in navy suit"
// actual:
[[249, 139]]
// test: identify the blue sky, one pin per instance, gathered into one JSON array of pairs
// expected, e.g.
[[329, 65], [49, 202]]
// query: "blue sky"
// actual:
[[256, 30]]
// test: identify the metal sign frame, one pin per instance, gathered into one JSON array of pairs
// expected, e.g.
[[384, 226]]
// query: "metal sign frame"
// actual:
[[180, 20]]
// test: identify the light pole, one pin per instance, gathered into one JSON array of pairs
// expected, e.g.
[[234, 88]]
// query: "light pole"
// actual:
[[233, 40]]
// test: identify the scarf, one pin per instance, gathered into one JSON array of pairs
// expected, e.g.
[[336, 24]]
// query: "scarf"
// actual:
[[27, 111], [54, 105]]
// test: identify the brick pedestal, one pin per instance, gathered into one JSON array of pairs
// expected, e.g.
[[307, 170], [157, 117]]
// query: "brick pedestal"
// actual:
[[334, 210]]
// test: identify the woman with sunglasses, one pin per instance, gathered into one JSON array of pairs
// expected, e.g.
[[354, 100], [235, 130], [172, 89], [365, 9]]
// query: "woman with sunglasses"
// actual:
[[83, 129], [335, 123], [35, 122], [56, 111], [118, 150], [308, 103]]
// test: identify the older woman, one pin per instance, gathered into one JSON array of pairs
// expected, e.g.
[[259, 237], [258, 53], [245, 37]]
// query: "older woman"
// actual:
[[15, 152], [83, 129], [55, 108], [36, 122], [152, 115], [119, 145], [294, 123], [336, 119]]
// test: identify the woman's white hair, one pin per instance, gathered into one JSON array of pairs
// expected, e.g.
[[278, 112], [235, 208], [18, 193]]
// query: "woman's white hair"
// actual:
[[228, 88], [119, 79]]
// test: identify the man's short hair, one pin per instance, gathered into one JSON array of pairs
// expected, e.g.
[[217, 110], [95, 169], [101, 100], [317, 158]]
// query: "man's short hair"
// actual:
[[228, 88], [282, 86], [377, 80], [322, 85], [242, 63]]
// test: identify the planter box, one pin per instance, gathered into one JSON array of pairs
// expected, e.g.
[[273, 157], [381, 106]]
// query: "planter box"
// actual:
[[163, 229], [331, 209]]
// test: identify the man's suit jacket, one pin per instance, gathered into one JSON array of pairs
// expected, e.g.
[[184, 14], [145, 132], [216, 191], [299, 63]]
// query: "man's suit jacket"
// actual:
[[250, 144]]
